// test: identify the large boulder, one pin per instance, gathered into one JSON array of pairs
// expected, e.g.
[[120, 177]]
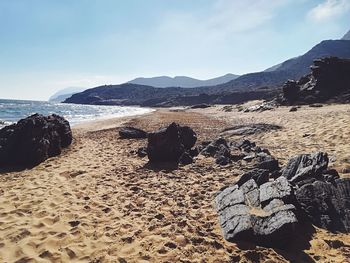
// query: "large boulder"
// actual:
[[263, 215], [169, 144], [34, 139]]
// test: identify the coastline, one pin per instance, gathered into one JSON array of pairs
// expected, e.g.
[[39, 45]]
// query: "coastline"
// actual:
[[100, 202]]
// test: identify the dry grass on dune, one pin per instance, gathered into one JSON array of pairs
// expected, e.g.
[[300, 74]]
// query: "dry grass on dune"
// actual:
[[98, 202]]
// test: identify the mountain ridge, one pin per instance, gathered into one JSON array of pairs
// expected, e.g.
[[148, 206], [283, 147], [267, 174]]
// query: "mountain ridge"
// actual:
[[255, 84], [182, 81]]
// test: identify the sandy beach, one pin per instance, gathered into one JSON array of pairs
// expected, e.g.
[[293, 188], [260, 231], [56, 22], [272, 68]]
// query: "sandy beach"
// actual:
[[100, 202]]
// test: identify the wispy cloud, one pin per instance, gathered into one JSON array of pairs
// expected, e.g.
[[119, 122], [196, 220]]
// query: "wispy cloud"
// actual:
[[329, 10], [218, 31], [225, 17]]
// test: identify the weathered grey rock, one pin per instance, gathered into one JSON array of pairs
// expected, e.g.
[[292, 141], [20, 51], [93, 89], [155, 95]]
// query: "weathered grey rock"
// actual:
[[228, 197], [244, 217], [303, 166], [215, 148], [327, 204], [279, 188], [278, 228], [132, 133]]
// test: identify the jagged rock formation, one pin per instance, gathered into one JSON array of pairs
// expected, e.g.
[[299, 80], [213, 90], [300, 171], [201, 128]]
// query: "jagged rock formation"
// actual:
[[329, 81], [320, 193], [34, 139], [268, 211], [262, 214], [171, 144]]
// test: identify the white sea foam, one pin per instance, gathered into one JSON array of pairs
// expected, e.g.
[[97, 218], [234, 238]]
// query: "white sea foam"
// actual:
[[13, 110]]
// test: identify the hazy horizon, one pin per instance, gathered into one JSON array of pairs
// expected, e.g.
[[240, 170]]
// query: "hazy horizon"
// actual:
[[51, 45]]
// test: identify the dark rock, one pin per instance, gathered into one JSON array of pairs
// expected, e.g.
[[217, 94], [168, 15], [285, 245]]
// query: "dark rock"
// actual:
[[200, 106], [290, 91], [168, 144], [248, 129], [245, 145], [142, 152], [34, 139], [330, 175], [185, 159], [302, 166], [326, 204], [260, 176], [188, 137], [292, 109], [216, 148], [132, 133], [74, 223], [194, 152], [222, 160], [266, 161]]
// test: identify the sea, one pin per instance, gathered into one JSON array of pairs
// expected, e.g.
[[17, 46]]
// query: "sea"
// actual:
[[13, 110]]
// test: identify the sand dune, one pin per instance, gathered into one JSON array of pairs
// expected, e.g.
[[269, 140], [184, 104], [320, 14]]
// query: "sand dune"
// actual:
[[99, 202]]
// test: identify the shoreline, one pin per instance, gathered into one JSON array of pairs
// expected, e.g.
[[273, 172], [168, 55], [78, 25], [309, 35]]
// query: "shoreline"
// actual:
[[98, 201]]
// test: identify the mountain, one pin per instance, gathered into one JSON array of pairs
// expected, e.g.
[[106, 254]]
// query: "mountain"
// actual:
[[249, 86], [182, 81], [290, 69], [63, 94], [346, 36]]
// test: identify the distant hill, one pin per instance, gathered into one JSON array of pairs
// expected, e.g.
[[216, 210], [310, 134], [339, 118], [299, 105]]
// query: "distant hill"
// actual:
[[63, 94], [134, 94], [346, 36], [248, 86], [291, 69], [182, 81]]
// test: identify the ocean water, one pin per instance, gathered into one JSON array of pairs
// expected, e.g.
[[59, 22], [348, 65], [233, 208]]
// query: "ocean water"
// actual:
[[13, 110]]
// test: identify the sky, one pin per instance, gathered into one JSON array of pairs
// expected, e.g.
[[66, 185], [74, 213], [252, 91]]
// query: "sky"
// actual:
[[48, 45]]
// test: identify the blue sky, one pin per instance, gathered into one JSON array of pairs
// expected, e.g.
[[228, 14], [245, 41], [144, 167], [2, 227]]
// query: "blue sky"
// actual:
[[47, 45]]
